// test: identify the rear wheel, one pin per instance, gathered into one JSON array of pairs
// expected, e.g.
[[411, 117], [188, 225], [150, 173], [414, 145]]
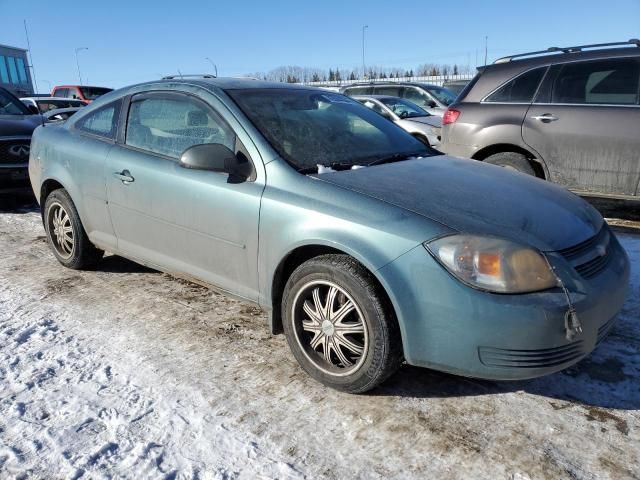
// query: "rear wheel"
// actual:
[[65, 233], [513, 161], [338, 325]]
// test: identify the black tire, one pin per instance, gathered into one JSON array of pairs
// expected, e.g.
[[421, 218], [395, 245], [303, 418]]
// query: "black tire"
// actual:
[[381, 346], [513, 160], [75, 251]]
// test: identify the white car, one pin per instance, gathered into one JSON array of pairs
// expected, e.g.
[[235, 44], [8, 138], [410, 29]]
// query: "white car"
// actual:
[[45, 104], [414, 119]]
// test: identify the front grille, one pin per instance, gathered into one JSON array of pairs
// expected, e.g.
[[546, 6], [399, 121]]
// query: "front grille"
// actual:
[[14, 151], [605, 329], [591, 256], [542, 358]]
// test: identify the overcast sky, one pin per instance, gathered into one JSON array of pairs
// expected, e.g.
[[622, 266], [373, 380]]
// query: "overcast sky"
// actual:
[[138, 40]]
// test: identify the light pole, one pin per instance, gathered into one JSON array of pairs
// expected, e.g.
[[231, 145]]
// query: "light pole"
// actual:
[[214, 65], [78, 63], [364, 68]]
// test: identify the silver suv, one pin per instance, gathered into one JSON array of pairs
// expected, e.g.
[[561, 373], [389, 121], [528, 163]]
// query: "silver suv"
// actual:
[[569, 115], [432, 98]]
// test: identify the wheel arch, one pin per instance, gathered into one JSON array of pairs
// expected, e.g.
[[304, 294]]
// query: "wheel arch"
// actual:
[[296, 257], [48, 186], [536, 163]]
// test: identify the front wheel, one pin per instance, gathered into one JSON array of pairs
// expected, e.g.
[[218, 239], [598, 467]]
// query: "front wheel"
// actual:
[[65, 233], [339, 325]]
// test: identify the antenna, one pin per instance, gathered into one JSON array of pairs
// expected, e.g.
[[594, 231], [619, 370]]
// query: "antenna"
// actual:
[[33, 69]]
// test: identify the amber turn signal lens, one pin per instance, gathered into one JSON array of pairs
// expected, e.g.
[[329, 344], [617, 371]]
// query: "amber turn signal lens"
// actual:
[[489, 264]]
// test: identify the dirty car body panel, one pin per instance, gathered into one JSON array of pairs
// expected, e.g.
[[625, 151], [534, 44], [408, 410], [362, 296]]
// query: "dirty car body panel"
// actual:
[[237, 235]]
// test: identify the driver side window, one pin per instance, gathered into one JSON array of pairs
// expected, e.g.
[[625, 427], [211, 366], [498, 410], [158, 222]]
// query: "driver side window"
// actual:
[[169, 124]]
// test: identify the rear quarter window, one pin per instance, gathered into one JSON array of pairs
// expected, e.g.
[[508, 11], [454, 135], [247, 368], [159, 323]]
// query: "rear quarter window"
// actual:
[[102, 122], [521, 89]]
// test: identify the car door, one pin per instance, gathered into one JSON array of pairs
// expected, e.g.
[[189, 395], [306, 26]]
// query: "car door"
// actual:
[[584, 124], [191, 222]]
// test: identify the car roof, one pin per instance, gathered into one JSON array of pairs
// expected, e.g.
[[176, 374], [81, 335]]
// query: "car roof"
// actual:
[[232, 83], [494, 75], [78, 86]]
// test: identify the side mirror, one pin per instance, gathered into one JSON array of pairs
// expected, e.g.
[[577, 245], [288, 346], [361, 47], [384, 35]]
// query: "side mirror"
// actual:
[[33, 109], [215, 157], [432, 104], [403, 114]]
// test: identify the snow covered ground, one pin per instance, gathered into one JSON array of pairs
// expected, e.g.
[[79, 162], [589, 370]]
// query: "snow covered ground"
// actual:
[[126, 372]]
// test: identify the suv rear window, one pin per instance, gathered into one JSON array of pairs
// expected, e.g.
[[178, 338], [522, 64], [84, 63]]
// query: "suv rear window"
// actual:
[[598, 82], [519, 90]]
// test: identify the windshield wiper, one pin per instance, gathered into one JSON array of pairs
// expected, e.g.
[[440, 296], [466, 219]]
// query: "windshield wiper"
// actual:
[[396, 157]]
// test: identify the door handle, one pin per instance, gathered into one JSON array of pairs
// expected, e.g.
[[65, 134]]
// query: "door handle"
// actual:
[[124, 176], [545, 117]]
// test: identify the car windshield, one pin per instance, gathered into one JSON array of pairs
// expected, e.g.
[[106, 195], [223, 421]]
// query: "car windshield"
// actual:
[[310, 128], [91, 93], [444, 95], [46, 105], [404, 108], [10, 105]]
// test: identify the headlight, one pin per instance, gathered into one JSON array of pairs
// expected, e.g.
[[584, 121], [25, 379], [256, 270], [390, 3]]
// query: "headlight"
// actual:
[[493, 264]]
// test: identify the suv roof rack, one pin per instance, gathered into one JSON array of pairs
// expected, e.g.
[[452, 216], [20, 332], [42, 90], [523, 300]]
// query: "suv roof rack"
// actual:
[[578, 48], [188, 75]]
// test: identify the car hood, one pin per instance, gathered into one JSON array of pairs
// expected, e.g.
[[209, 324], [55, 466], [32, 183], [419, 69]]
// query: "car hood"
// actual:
[[473, 197], [18, 125], [431, 120]]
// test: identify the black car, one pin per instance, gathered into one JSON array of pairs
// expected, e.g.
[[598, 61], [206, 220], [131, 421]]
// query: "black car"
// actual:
[[17, 123]]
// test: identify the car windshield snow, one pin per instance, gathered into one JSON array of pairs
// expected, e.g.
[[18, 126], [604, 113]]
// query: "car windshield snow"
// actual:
[[310, 128]]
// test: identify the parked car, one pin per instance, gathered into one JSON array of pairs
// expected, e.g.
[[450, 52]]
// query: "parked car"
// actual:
[[79, 92], [455, 86], [366, 246], [17, 123], [415, 120], [432, 98], [44, 104], [568, 115]]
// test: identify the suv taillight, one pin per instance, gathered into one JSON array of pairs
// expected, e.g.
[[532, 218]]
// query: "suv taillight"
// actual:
[[450, 116]]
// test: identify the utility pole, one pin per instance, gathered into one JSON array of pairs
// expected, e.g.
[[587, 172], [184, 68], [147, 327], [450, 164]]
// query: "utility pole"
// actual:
[[364, 67], [486, 41], [214, 65], [78, 63], [33, 69]]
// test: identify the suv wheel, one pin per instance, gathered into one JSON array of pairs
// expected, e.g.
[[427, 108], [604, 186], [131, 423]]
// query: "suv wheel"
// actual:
[[512, 160], [338, 326], [65, 233]]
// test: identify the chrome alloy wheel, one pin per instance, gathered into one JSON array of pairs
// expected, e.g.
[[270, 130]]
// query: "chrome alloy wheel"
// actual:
[[329, 328], [61, 230]]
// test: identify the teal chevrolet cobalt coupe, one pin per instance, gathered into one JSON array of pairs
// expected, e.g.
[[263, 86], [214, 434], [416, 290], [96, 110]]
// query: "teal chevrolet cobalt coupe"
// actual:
[[366, 247]]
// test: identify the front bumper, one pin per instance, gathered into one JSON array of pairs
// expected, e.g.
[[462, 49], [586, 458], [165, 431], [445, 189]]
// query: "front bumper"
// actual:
[[14, 176], [451, 327]]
